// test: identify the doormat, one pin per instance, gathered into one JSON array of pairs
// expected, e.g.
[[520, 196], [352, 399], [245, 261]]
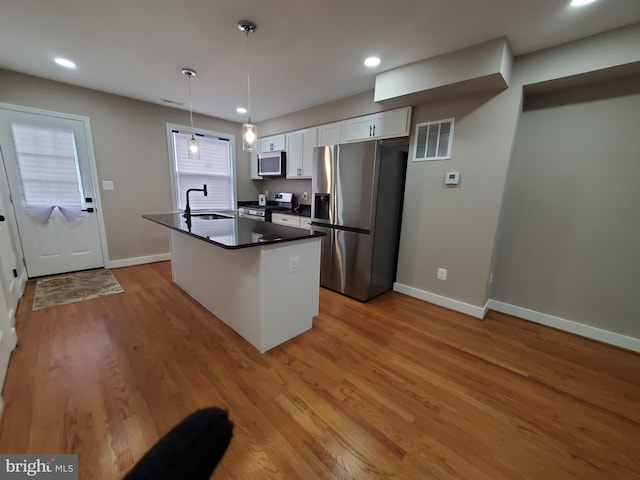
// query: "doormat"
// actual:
[[74, 287]]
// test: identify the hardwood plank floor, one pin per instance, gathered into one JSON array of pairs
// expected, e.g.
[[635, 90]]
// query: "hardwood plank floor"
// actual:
[[394, 388]]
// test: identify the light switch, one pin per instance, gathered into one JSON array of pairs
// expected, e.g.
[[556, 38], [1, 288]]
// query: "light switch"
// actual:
[[107, 185]]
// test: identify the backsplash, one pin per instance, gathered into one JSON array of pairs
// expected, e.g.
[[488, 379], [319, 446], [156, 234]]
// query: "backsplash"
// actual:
[[298, 187]]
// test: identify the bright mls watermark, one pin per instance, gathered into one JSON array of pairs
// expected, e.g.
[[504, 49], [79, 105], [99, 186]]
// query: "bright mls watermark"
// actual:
[[51, 467]]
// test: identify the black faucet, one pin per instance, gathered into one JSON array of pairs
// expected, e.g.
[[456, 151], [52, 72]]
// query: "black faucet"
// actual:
[[187, 210]]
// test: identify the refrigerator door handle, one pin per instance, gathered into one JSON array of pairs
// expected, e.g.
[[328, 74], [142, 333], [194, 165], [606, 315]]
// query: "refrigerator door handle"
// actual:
[[334, 193]]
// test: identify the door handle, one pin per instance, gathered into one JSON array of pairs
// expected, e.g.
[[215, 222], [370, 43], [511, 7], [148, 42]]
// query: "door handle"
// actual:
[[90, 210], [1, 218]]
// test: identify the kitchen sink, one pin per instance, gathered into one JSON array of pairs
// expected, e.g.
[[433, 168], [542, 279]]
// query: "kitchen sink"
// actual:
[[210, 216]]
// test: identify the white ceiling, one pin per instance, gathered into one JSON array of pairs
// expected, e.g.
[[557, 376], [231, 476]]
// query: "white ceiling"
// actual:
[[304, 52]]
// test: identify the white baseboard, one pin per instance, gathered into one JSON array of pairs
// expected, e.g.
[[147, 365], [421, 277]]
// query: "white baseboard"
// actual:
[[457, 305], [594, 333], [129, 262], [623, 341]]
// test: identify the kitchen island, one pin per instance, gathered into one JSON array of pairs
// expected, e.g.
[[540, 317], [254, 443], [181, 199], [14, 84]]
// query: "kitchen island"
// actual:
[[260, 279]]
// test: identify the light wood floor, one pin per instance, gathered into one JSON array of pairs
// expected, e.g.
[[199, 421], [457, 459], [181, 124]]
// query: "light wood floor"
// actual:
[[395, 388]]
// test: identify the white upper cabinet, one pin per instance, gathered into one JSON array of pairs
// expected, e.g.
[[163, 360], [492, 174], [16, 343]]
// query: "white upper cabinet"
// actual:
[[273, 143], [329, 134], [254, 166], [393, 123], [300, 146]]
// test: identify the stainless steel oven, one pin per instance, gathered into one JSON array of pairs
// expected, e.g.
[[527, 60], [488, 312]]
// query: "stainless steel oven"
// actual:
[[252, 212]]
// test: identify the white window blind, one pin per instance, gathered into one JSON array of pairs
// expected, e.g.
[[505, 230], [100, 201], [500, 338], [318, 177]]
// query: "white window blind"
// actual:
[[47, 165], [213, 168], [433, 140]]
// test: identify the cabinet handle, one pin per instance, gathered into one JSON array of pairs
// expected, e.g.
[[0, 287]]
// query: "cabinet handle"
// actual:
[[369, 130], [374, 130]]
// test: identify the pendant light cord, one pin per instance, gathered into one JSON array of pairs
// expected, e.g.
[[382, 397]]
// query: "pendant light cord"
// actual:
[[248, 81], [190, 108]]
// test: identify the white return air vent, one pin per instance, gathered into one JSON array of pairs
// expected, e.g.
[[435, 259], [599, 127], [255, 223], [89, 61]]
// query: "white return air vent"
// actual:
[[432, 140]]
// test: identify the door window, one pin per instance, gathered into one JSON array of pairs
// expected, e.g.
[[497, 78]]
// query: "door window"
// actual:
[[47, 165]]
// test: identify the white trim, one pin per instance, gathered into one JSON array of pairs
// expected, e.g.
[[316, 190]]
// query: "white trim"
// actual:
[[97, 199], [606, 336], [129, 262], [457, 305]]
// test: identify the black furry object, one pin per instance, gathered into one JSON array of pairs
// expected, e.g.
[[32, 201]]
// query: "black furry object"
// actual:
[[190, 450]]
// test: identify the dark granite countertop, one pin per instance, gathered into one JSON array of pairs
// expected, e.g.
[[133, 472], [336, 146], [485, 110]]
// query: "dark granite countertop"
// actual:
[[231, 232]]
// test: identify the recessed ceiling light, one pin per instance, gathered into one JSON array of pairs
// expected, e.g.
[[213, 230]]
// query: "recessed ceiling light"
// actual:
[[63, 62], [372, 62], [241, 110], [580, 3]]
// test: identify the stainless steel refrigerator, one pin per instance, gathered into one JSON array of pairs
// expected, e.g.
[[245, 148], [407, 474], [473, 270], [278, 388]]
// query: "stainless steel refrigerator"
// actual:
[[357, 195]]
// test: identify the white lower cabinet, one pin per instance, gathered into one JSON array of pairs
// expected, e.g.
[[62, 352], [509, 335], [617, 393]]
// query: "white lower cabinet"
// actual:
[[291, 220], [305, 222]]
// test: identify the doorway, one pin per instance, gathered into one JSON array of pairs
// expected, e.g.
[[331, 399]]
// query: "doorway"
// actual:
[[50, 170]]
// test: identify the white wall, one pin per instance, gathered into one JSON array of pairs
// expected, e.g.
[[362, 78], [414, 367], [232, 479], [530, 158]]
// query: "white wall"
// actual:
[[568, 243]]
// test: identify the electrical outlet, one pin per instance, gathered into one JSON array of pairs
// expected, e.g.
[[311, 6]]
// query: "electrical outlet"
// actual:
[[293, 264], [305, 196], [442, 273]]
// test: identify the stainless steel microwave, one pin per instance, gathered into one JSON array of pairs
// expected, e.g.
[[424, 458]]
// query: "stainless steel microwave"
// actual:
[[272, 164]]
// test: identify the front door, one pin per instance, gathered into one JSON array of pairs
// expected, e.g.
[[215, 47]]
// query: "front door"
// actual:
[[47, 163]]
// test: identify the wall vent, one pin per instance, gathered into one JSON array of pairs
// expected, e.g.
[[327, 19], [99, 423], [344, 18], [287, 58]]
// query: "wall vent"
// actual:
[[432, 140]]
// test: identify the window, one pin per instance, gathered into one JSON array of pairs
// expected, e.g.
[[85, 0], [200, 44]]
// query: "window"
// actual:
[[214, 168], [47, 164], [433, 140]]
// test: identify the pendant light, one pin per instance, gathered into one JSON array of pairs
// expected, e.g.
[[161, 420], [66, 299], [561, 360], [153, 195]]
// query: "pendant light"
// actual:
[[194, 148], [249, 130]]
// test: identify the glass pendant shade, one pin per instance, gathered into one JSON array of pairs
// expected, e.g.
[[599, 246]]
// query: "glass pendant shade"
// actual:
[[249, 136], [194, 149], [249, 130]]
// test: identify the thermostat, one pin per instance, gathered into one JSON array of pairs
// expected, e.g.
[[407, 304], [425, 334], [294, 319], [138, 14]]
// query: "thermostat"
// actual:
[[452, 178]]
